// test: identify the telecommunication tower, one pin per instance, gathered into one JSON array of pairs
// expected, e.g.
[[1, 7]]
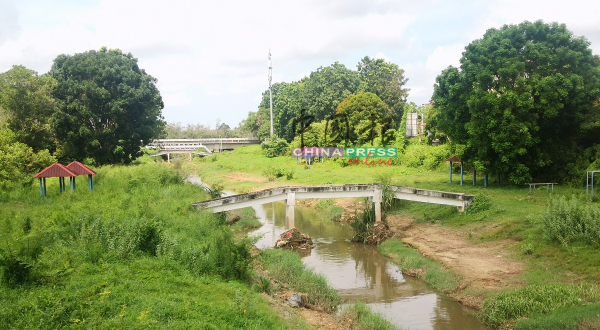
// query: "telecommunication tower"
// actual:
[[270, 91]]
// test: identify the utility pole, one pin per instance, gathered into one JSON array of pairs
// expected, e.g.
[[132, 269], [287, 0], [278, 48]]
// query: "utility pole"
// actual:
[[270, 91]]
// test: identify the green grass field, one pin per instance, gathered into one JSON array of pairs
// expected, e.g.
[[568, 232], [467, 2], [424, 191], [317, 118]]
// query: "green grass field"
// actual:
[[500, 211]]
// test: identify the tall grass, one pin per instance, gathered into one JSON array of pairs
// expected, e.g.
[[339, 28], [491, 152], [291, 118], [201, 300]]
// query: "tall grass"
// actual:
[[413, 263], [363, 318], [535, 300], [287, 267], [567, 221], [133, 253]]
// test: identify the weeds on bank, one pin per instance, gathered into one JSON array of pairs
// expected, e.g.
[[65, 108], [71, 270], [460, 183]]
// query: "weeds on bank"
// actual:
[[287, 267], [536, 300], [413, 263], [363, 318], [133, 253]]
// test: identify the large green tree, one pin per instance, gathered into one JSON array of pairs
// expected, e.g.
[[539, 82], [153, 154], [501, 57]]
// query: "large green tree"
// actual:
[[26, 104], [520, 99], [365, 113], [108, 106], [386, 80], [327, 87]]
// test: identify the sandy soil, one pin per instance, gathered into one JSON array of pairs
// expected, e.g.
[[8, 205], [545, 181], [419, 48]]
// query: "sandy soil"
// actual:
[[485, 265], [239, 177]]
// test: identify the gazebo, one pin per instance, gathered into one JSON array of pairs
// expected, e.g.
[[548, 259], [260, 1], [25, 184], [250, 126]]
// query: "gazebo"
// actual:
[[455, 159], [55, 170], [79, 169]]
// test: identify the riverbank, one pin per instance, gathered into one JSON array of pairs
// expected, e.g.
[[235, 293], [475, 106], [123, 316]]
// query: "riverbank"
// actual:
[[494, 248]]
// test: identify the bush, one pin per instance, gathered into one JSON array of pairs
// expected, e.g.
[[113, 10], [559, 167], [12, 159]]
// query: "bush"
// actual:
[[479, 203], [272, 173], [535, 300], [362, 222], [275, 146], [571, 221]]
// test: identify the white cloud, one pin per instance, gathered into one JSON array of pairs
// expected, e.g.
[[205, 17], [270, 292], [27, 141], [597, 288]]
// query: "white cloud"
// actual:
[[210, 57]]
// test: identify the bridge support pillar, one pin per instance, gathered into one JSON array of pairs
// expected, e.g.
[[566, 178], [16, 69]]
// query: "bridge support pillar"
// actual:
[[289, 210], [461, 208], [377, 201]]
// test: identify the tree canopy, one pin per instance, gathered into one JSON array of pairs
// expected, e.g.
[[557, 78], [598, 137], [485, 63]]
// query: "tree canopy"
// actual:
[[26, 104], [108, 106], [386, 80], [323, 91], [520, 99]]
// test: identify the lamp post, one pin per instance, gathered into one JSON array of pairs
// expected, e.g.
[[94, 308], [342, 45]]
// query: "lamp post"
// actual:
[[270, 91]]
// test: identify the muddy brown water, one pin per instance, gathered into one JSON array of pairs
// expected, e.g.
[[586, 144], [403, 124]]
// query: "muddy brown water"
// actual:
[[360, 272]]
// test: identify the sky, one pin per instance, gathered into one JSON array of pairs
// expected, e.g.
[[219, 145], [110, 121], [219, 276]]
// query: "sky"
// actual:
[[211, 57]]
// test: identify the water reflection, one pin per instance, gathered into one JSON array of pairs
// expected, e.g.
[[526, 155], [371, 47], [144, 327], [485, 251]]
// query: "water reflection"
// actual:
[[359, 272]]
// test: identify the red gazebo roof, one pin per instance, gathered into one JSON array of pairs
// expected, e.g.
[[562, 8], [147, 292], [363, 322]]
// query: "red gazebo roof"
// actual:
[[55, 170], [453, 159], [80, 169]]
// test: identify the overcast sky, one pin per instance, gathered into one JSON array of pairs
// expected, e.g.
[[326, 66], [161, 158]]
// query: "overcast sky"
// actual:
[[210, 57]]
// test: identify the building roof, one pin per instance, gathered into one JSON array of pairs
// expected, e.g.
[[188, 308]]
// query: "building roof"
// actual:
[[80, 169], [55, 170], [453, 159]]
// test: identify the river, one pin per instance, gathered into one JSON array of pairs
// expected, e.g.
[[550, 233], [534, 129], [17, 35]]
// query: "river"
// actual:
[[360, 272]]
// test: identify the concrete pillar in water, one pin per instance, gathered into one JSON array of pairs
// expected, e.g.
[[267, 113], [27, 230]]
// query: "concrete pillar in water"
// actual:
[[377, 200], [289, 210]]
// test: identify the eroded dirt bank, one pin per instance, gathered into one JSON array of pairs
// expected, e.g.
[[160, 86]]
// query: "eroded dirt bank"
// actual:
[[482, 266]]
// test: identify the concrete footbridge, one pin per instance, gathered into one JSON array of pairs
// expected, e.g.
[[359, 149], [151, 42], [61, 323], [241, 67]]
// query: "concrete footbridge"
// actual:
[[210, 144], [371, 190]]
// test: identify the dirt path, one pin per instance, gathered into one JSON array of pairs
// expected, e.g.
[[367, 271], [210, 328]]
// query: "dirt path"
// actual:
[[485, 265]]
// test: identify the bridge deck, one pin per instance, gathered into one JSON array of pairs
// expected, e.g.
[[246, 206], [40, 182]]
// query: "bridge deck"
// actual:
[[459, 200]]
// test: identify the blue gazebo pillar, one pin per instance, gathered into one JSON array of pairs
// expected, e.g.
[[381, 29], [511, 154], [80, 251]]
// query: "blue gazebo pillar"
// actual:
[[450, 172], [485, 180], [461, 173], [41, 188], [90, 183], [474, 176], [44, 186], [60, 184]]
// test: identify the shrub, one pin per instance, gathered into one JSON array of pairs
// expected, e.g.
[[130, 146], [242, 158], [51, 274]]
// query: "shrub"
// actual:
[[479, 203], [275, 146], [566, 221], [362, 222], [535, 300]]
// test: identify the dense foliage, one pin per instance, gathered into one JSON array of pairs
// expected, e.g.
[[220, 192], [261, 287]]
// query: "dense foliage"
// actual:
[[19, 162], [275, 146], [322, 92], [108, 106], [570, 221], [26, 104], [522, 101], [131, 254]]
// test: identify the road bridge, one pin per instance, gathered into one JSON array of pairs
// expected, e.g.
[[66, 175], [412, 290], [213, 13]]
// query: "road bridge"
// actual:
[[371, 190], [212, 144]]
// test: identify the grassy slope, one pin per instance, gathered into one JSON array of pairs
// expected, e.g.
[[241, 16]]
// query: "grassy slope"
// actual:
[[514, 213], [131, 254]]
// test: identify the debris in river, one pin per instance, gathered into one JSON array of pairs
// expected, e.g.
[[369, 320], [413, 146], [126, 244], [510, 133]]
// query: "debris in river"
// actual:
[[375, 235], [293, 239]]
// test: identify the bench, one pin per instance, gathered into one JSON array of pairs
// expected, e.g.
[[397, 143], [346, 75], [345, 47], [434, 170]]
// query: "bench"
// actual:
[[541, 184]]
